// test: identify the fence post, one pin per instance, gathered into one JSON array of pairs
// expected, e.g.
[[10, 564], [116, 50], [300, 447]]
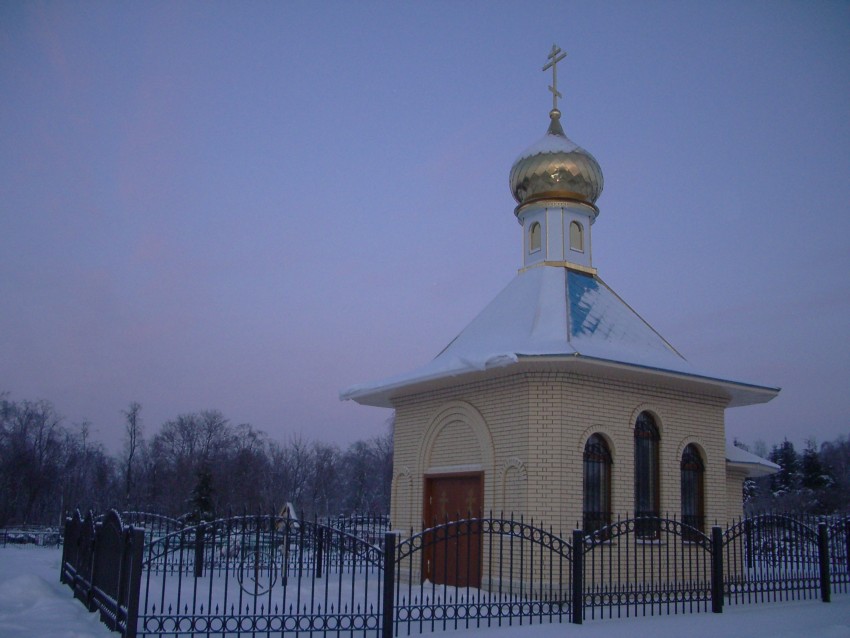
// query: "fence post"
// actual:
[[320, 549], [199, 550], [847, 542], [133, 580], [65, 552], [389, 585], [87, 589], [716, 570], [578, 577], [823, 561]]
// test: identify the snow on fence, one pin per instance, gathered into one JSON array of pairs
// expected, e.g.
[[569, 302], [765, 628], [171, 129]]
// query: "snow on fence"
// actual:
[[245, 575]]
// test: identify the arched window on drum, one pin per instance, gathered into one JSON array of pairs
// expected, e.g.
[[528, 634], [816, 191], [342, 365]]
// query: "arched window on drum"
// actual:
[[534, 239], [576, 237]]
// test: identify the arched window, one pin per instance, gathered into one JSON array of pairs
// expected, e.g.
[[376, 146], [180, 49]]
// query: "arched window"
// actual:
[[646, 475], [597, 484], [693, 495], [576, 237], [534, 237]]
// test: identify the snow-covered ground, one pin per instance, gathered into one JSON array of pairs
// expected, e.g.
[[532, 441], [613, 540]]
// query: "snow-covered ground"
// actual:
[[34, 604]]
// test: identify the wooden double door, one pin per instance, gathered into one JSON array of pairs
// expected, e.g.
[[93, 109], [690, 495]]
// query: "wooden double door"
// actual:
[[452, 553]]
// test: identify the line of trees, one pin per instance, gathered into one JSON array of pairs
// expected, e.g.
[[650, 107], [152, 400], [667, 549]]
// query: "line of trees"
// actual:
[[814, 481], [196, 465], [201, 464]]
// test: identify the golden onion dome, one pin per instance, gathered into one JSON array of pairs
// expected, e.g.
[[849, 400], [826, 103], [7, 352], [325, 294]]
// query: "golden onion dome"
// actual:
[[556, 168]]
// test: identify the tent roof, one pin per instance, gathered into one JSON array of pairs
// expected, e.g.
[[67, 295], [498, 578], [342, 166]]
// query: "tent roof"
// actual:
[[553, 316]]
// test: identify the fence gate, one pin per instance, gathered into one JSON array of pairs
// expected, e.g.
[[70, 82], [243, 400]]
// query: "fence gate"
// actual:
[[522, 575], [646, 566], [772, 557]]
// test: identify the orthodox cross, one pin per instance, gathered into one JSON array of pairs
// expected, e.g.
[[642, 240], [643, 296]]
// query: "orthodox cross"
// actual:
[[555, 56]]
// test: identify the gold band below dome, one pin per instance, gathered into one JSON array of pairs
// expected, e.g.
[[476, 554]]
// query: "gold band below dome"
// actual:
[[555, 197]]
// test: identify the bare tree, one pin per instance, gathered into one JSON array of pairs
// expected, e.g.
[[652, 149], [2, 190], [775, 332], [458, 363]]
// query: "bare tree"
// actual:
[[291, 467], [324, 483], [31, 459], [133, 430]]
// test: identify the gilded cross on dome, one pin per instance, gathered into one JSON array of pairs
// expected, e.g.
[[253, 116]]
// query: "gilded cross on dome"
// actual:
[[555, 56]]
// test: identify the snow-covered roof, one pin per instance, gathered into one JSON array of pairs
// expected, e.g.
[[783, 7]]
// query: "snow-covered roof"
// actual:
[[755, 465], [551, 312]]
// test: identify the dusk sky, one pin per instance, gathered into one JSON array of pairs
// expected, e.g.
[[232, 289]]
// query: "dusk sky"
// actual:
[[251, 206]]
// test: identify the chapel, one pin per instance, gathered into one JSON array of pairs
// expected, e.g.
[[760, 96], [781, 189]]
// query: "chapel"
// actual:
[[558, 402]]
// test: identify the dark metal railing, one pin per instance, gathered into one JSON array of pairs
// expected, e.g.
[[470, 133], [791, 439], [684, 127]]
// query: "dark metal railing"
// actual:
[[155, 525], [838, 548], [249, 575], [626, 572], [101, 563], [770, 558], [369, 527], [481, 572]]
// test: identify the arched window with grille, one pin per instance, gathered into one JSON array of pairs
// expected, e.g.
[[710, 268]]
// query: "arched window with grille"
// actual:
[[597, 484], [693, 490], [647, 495], [534, 237]]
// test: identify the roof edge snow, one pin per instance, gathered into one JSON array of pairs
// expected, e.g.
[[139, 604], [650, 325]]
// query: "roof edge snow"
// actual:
[[382, 393], [754, 465]]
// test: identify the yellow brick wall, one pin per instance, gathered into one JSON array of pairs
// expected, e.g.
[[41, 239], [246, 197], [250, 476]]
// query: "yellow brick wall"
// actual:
[[734, 493], [534, 428], [455, 444]]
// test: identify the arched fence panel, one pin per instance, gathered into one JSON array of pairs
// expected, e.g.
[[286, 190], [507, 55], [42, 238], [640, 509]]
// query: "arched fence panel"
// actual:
[[773, 557], [369, 527], [155, 525], [646, 566], [246, 575], [481, 572]]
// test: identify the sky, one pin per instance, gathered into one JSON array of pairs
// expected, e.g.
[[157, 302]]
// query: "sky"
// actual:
[[252, 206], [34, 603]]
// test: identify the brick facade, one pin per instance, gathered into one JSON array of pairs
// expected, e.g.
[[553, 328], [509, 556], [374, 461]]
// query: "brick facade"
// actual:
[[526, 431]]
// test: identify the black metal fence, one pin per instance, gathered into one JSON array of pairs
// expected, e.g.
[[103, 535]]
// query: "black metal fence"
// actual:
[[627, 571], [481, 572], [154, 525], [39, 535], [369, 527], [249, 575], [101, 563]]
